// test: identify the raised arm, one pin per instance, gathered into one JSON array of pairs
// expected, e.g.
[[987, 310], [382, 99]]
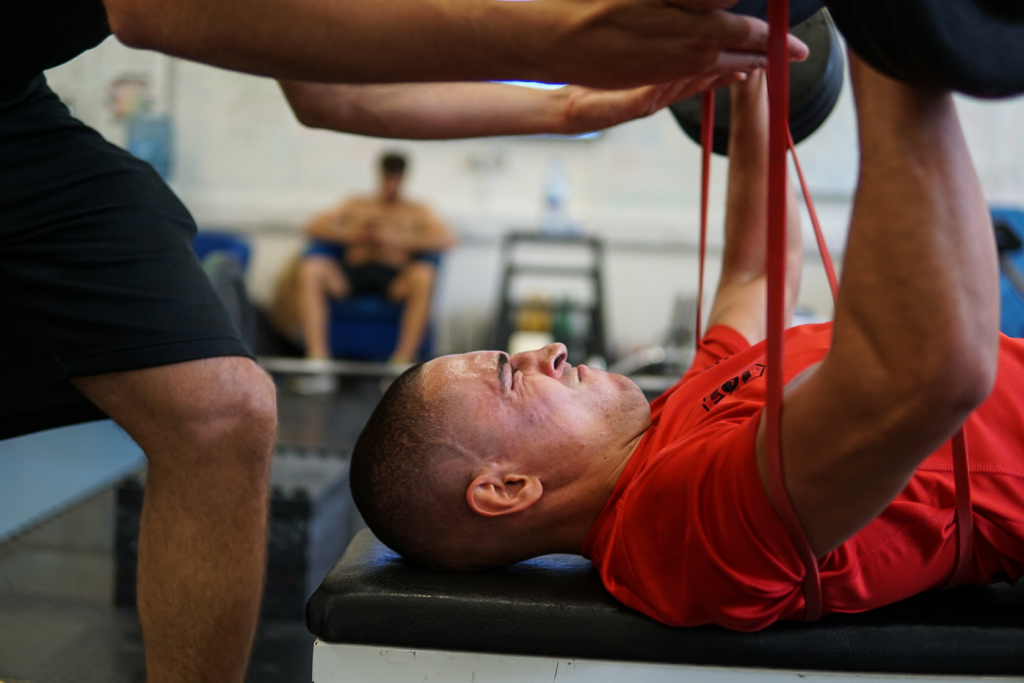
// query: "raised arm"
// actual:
[[916, 331], [601, 43], [432, 111], [740, 298]]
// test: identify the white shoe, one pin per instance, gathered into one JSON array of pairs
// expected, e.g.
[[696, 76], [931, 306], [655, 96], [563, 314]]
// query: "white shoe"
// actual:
[[313, 385]]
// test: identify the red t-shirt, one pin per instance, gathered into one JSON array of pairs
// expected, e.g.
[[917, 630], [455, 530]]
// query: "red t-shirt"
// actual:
[[689, 537]]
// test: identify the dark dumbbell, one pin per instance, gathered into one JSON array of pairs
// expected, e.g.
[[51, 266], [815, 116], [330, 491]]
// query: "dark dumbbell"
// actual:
[[972, 46], [814, 87], [799, 10], [975, 47]]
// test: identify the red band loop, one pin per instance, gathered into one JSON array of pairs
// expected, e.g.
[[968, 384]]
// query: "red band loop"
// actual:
[[707, 130], [778, 143], [964, 517], [826, 259]]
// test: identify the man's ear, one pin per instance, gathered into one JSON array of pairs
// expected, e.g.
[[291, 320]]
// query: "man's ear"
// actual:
[[493, 493]]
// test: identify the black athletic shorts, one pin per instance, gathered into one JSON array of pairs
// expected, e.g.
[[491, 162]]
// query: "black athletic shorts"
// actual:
[[97, 272], [370, 278], [367, 278]]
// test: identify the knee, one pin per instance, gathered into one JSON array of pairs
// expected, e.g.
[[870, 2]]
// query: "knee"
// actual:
[[320, 275], [420, 276], [310, 272], [232, 419]]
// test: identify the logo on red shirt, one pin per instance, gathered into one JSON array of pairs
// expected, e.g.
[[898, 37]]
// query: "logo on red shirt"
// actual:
[[727, 388]]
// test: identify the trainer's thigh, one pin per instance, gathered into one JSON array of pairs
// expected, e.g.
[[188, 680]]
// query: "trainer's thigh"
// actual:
[[97, 272]]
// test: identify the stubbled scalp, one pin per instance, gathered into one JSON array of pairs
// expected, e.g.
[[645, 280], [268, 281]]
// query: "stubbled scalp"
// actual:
[[400, 469]]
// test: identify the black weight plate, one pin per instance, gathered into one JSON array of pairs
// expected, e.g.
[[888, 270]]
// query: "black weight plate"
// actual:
[[973, 46], [815, 85], [863, 25], [799, 10], [964, 45]]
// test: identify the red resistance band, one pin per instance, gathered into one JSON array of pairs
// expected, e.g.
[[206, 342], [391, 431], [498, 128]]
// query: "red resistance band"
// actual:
[[779, 142]]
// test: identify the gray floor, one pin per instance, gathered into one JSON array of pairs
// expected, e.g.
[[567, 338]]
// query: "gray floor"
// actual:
[[57, 619]]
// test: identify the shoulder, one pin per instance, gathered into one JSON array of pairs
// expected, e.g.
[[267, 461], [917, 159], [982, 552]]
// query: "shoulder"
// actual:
[[696, 515]]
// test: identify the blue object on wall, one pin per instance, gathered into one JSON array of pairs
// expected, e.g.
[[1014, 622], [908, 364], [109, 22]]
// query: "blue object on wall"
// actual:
[[1011, 315], [214, 240], [151, 138]]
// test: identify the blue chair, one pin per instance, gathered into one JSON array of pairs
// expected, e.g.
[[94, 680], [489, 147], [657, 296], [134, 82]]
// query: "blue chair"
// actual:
[[1011, 267], [235, 245], [365, 327]]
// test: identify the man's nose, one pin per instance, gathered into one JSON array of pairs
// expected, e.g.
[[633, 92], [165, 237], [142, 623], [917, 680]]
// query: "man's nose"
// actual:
[[547, 359]]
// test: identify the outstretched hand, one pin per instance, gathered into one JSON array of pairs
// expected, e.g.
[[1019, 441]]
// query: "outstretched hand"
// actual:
[[589, 109], [624, 43]]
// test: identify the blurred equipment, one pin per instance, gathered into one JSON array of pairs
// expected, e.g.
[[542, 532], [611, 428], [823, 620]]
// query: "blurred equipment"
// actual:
[[1009, 227], [815, 85], [656, 368], [528, 256], [225, 257]]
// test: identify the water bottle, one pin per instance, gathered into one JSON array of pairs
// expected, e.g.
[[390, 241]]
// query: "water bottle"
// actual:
[[555, 219]]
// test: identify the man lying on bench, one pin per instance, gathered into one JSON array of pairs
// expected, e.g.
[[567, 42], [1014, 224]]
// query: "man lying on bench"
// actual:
[[481, 460]]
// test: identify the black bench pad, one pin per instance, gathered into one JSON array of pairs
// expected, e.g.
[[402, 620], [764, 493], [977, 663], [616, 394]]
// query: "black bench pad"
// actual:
[[556, 606]]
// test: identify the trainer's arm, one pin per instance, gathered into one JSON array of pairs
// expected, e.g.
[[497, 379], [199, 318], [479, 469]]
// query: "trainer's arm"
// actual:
[[601, 43], [436, 111], [740, 298], [431, 234], [916, 331]]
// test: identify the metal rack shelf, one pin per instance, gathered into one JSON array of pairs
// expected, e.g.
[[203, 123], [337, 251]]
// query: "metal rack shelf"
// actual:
[[591, 341]]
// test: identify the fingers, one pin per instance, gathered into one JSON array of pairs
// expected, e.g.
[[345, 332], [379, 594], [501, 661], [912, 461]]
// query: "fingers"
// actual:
[[728, 79], [736, 32]]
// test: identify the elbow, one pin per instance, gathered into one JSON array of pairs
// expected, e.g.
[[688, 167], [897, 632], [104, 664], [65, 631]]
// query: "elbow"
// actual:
[[956, 384], [975, 376], [308, 116], [301, 105]]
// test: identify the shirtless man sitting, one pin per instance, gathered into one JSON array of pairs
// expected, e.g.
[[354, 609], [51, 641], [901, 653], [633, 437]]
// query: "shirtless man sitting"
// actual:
[[481, 460], [367, 245]]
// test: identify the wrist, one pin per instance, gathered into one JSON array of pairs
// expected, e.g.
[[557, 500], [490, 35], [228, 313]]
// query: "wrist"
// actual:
[[561, 111]]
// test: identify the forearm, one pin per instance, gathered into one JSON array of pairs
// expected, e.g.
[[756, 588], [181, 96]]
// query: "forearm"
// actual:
[[332, 228], [742, 287], [918, 304], [340, 41], [428, 111], [915, 341], [601, 43]]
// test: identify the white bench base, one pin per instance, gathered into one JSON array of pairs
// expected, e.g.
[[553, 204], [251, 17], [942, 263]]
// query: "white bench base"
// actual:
[[341, 663]]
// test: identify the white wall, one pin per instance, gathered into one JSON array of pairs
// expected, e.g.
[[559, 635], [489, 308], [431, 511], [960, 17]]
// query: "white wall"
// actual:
[[241, 161]]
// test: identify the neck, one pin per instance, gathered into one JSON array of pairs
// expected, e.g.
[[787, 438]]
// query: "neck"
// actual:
[[568, 532]]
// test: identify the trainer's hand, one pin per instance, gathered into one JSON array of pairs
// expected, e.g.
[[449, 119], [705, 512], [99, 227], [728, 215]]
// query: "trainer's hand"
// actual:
[[624, 43], [589, 109]]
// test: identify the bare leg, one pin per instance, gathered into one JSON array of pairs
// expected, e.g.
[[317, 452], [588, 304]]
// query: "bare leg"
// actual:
[[413, 286], [207, 428], [319, 278]]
